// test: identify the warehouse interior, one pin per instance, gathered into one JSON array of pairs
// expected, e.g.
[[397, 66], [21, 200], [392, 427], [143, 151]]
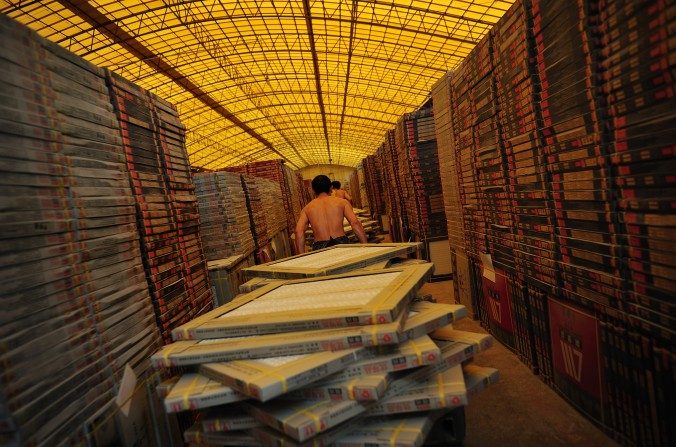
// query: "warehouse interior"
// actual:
[[509, 276]]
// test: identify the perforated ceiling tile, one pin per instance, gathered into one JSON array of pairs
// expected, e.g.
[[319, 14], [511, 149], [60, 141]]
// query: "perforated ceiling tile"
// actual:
[[311, 81]]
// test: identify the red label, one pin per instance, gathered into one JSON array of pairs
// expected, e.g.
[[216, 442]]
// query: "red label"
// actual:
[[575, 346], [498, 301]]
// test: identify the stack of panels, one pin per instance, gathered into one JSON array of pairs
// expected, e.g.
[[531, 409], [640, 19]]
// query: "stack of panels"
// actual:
[[410, 212], [291, 179], [254, 200], [353, 185], [226, 228], [373, 183], [424, 163], [307, 394], [441, 101], [638, 69], [275, 170], [166, 206], [489, 157], [474, 224], [576, 153], [76, 307], [638, 84], [273, 206], [391, 185], [517, 88], [178, 178]]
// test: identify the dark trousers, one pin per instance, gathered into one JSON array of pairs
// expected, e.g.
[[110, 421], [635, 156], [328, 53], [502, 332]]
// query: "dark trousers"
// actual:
[[318, 245]]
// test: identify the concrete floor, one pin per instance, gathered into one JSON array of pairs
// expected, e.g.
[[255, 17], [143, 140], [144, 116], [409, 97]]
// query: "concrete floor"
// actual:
[[519, 410]]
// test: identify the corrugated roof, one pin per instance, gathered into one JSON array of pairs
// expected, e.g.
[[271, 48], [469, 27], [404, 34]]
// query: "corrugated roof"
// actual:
[[312, 81]]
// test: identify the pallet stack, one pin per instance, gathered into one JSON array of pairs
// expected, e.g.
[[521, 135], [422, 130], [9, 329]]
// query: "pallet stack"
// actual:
[[154, 144], [285, 388], [226, 227], [354, 187], [584, 92], [77, 308]]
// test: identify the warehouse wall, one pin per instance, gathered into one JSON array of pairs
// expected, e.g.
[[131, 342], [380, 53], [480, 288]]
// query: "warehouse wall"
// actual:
[[335, 172]]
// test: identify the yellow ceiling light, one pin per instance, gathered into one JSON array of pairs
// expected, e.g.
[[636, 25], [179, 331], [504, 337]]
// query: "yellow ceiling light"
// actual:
[[310, 81]]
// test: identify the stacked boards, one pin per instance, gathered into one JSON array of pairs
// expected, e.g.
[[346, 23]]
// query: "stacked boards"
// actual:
[[429, 220], [288, 181], [77, 307], [338, 361], [168, 219], [373, 186], [226, 221], [566, 201]]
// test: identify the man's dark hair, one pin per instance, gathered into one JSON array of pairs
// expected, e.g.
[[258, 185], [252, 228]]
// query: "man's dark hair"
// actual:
[[335, 184], [321, 184]]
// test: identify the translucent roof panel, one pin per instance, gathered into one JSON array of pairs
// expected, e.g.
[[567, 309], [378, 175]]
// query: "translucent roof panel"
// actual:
[[312, 81]]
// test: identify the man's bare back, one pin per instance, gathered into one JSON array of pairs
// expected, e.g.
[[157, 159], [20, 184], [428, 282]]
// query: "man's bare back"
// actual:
[[325, 214]]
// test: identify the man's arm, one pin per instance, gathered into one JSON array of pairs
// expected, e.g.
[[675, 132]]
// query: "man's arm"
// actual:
[[301, 226], [348, 197], [356, 224]]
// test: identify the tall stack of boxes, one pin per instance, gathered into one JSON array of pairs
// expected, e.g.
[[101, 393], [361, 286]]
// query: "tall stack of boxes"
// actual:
[[77, 309], [154, 144], [226, 227], [566, 201]]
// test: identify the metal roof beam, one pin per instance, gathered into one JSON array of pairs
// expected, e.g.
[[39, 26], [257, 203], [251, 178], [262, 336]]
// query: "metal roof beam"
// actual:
[[88, 13], [353, 17], [315, 63]]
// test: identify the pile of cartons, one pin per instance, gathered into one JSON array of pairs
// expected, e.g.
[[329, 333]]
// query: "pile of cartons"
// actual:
[[226, 226], [75, 303], [273, 205], [574, 263], [345, 359], [373, 186], [288, 182], [254, 201], [154, 144]]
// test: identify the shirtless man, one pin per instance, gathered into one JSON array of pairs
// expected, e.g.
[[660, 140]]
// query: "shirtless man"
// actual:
[[325, 213], [341, 193]]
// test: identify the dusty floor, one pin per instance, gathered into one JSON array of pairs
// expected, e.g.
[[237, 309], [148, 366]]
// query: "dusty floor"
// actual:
[[519, 410]]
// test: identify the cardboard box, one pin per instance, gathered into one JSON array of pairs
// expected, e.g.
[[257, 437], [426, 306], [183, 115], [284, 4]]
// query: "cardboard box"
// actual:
[[443, 390], [304, 420], [193, 391], [400, 431], [478, 378], [241, 438], [352, 299], [360, 388], [230, 418], [193, 352], [409, 354], [425, 317], [332, 260], [264, 379]]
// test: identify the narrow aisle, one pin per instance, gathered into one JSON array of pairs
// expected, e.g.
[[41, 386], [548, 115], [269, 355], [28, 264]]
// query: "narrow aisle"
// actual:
[[519, 410]]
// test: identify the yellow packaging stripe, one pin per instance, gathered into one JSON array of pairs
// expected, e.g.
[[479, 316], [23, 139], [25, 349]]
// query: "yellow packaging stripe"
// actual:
[[418, 352], [189, 389], [272, 373], [308, 412], [392, 289], [350, 388], [440, 388], [167, 352], [395, 435], [218, 425], [374, 335]]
